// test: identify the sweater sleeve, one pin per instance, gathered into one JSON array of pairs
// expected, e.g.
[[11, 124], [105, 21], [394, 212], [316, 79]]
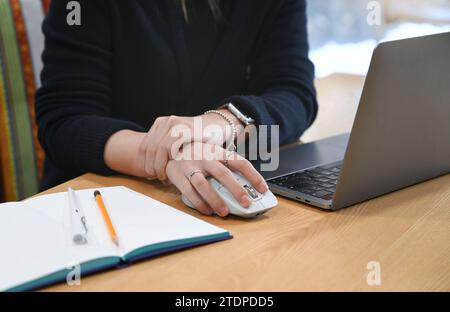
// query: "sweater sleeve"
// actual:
[[281, 89], [73, 105]]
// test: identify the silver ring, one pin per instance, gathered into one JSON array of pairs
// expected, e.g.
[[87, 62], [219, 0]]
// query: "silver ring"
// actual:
[[193, 173]]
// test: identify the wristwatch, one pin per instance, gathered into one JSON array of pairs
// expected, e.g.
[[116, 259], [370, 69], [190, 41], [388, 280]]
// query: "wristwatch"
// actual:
[[246, 120]]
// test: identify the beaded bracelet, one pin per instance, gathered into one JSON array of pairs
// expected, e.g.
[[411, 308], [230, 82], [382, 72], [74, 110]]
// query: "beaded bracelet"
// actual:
[[231, 146]]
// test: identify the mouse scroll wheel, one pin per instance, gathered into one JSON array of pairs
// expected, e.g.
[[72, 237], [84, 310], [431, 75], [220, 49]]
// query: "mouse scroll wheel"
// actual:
[[251, 191]]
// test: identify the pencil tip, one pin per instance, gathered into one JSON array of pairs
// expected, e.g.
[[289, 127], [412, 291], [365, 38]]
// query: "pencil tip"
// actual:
[[96, 193]]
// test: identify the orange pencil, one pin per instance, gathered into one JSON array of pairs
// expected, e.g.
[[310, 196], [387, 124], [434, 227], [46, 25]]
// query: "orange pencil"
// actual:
[[106, 218]]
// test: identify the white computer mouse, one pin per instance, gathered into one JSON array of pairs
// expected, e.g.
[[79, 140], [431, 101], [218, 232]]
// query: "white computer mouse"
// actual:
[[261, 203]]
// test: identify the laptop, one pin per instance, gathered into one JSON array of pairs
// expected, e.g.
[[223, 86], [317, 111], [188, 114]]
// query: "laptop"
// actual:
[[400, 136]]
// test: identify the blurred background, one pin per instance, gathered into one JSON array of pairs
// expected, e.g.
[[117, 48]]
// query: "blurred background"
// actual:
[[342, 39], [343, 35]]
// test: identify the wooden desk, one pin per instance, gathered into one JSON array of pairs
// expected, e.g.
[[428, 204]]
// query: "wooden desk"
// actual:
[[299, 248]]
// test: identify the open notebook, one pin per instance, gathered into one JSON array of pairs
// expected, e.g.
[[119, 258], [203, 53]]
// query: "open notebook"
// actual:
[[36, 235]]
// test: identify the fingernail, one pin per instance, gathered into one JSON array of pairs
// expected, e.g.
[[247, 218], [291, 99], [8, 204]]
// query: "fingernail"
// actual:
[[264, 186], [222, 211], [246, 201]]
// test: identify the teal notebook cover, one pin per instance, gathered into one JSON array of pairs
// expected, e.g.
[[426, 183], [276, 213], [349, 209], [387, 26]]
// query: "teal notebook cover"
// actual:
[[103, 264]]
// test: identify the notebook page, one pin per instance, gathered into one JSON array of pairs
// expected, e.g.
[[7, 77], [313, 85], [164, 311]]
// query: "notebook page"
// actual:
[[141, 221], [33, 245], [138, 219], [56, 207]]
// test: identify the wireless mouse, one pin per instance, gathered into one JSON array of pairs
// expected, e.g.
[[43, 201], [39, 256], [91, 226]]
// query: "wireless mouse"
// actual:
[[261, 203]]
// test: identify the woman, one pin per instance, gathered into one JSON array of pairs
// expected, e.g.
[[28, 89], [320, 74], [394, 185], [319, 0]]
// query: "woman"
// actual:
[[116, 86]]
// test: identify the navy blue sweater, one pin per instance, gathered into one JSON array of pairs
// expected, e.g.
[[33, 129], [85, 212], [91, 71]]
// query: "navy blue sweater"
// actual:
[[128, 63]]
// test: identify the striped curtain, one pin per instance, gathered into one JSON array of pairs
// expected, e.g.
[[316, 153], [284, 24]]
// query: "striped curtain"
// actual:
[[21, 45]]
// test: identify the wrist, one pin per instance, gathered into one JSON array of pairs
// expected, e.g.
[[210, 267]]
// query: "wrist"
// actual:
[[226, 130], [230, 128], [239, 125], [121, 152]]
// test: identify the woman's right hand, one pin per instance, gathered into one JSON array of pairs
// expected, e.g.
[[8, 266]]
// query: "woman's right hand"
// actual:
[[189, 175]]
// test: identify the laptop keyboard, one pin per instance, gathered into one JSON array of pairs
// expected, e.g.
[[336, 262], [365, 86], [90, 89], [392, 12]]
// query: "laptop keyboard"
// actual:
[[318, 182]]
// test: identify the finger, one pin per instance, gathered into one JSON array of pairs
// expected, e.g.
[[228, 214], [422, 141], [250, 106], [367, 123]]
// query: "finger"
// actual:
[[155, 146], [186, 188], [189, 191], [225, 177], [160, 164], [208, 194], [166, 141], [242, 165], [169, 147], [175, 138]]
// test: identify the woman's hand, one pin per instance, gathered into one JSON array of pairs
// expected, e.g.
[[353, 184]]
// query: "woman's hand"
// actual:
[[220, 165], [168, 134]]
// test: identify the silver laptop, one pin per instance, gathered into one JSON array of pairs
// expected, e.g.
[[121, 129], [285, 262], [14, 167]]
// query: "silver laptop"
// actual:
[[400, 136]]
